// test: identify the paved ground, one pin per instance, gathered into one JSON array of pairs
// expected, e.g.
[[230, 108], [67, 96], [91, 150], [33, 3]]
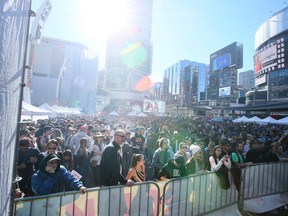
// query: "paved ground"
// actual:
[[282, 211]]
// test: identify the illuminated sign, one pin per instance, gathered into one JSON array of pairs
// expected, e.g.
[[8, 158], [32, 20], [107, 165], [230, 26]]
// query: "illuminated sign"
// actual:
[[229, 56], [269, 58], [260, 80], [224, 92]]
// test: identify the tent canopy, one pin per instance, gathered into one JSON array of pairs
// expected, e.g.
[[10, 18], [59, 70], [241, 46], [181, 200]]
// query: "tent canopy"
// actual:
[[283, 121], [241, 119], [30, 110], [141, 114], [113, 113]]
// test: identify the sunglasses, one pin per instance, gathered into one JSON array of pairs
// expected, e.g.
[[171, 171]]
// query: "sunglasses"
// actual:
[[51, 148], [122, 136]]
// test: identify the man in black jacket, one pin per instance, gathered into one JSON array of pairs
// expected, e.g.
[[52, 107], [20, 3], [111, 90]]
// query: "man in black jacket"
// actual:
[[111, 162]]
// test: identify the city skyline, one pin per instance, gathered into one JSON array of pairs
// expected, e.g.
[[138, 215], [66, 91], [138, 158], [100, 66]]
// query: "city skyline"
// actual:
[[180, 29]]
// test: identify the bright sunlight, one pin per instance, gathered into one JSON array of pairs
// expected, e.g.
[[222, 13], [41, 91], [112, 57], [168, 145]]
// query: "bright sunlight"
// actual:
[[101, 17]]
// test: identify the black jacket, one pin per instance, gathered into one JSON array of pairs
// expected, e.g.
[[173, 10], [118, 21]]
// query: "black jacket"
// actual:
[[110, 166], [170, 170]]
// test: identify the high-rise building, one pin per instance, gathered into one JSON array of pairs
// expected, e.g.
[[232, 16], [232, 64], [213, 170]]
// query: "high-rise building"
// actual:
[[185, 83], [173, 82], [64, 73], [270, 60], [247, 80], [223, 74], [129, 58]]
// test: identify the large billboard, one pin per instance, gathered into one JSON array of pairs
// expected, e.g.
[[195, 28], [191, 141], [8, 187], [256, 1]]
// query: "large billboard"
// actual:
[[270, 57], [231, 55], [153, 106], [225, 92], [213, 86]]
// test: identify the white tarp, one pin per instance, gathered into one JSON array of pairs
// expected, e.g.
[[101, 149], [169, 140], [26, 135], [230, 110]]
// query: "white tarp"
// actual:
[[113, 113], [47, 107], [60, 111], [283, 121], [141, 114], [131, 114], [254, 119], [241, 119], [28, 109], [267, 120]]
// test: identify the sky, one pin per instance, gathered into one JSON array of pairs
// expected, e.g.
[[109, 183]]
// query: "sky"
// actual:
[[181, 29]]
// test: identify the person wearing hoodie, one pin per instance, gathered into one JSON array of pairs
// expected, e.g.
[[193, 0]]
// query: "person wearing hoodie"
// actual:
[[53, 177]]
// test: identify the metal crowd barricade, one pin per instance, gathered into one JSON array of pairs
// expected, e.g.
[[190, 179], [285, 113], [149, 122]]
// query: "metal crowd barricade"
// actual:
[[140, 199], [264, 187], [196, 195]]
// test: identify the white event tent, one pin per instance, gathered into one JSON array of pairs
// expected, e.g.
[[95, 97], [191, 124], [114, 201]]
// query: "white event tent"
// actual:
[[32, 112], [267, 120], [114, 113], [283, 121], [141, 114], [253, 119], [241, 119], [46, 106]]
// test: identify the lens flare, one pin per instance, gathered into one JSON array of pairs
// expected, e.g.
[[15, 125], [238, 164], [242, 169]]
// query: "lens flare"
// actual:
[[144, 84], [133, 55]]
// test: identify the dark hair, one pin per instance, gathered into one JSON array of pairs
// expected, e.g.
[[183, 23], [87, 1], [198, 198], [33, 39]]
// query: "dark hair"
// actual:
[[47, 128], [135, 159], [67, 152], [239, 140], [53, 141], [161, 141], [214, 151], [25, 141]]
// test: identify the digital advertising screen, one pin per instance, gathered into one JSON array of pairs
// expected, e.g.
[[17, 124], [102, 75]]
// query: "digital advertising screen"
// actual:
[[260, 80], [270, 57], [150, 106], [222, 61], [225, 92], [224, 78], [231, 55], [153, 106]]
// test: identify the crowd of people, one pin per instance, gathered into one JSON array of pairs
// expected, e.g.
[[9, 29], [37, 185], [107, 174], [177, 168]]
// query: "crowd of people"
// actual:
[[80, 152]]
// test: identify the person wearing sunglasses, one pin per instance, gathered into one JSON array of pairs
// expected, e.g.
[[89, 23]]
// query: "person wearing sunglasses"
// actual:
[[53, 177], [111, 162]]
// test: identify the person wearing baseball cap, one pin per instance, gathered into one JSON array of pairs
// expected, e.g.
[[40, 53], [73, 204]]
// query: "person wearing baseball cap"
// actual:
[[175, 168]]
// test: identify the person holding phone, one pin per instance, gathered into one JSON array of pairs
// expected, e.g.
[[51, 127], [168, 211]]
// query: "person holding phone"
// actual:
[[221, 165]]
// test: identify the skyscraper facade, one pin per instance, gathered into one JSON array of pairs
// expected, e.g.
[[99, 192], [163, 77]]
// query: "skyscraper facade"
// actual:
[[129, 57], [247, 80], [69, 73], [270, 60], [185, 83]]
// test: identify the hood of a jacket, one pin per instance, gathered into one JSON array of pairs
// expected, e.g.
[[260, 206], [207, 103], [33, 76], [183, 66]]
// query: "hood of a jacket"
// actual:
[[45, 160]]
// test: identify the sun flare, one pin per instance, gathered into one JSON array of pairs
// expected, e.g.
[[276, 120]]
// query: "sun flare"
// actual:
[[101, 17]]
